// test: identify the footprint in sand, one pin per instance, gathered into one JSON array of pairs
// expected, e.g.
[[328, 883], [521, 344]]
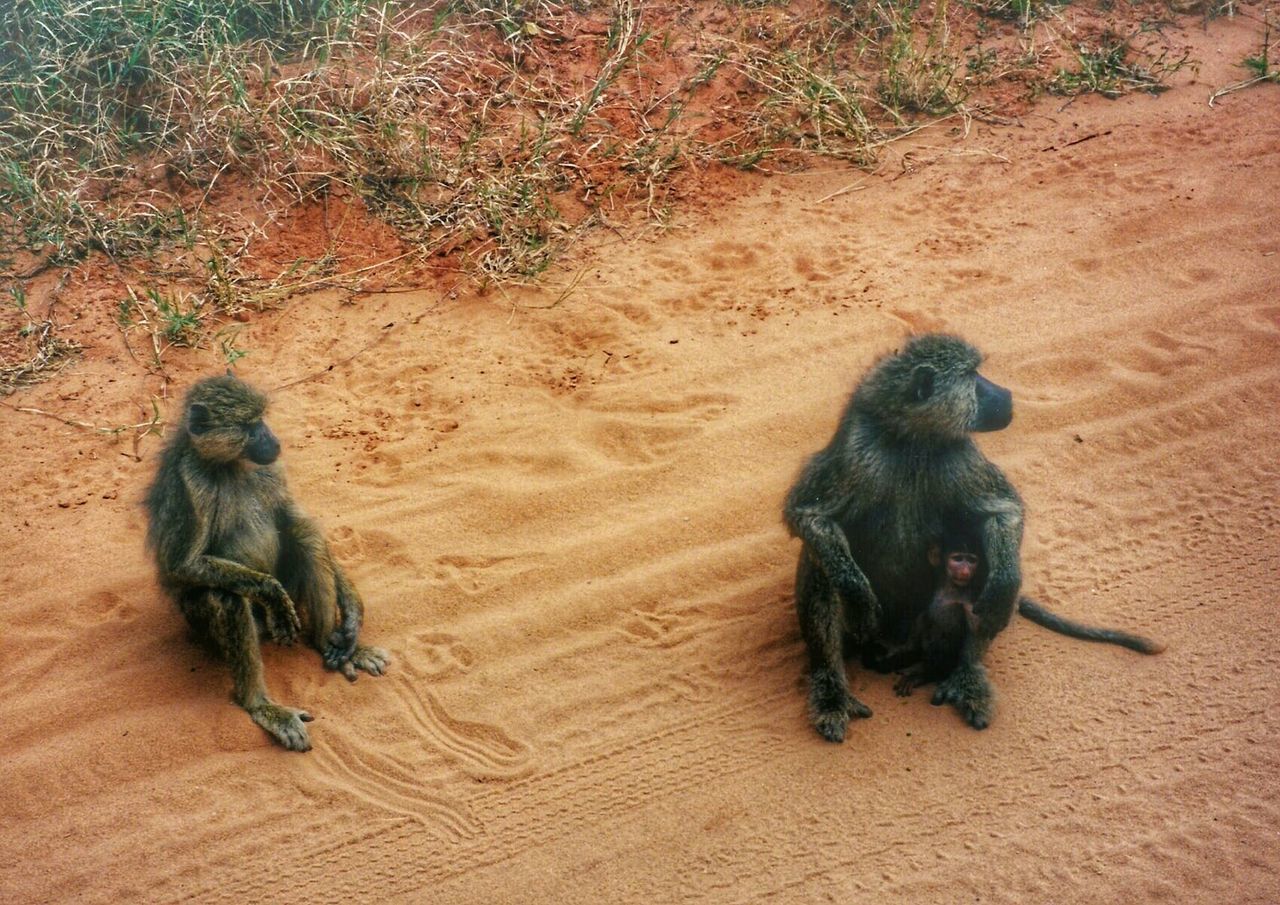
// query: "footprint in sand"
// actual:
[[383, 775]]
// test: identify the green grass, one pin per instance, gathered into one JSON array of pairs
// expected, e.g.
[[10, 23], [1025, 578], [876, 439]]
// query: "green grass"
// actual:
[[1113, 68]]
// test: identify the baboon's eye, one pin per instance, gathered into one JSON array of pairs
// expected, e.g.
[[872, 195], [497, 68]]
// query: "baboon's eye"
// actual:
[[198, 420], [922, 382]]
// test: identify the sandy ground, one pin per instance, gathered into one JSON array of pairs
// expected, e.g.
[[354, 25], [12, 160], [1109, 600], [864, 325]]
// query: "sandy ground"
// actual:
[[564, 517]]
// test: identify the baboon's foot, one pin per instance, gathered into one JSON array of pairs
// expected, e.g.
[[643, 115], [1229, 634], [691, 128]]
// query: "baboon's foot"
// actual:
[[373, 660], [832, 706], [284, 724], [968, 690]]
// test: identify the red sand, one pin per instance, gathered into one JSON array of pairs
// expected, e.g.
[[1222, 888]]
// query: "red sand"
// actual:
[[565, 521]]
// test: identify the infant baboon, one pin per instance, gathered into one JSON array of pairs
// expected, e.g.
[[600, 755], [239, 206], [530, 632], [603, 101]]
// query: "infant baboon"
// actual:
[[938, 633], [240, 559]]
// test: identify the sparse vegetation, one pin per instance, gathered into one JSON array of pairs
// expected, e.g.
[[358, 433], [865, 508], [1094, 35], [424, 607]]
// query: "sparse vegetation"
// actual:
[[126, 118], [1112, 68], [169, 137], [1261, 64], [32, 350]]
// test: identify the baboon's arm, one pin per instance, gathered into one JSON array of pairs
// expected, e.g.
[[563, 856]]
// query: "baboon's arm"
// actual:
[[830, 548], [227, 575], [1002, 542], [813, 509], [342, 642]]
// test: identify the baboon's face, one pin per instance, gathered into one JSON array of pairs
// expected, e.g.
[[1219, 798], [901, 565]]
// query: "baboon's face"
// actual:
[[261, 446], [943, 394], [961, 567], [224, 419]]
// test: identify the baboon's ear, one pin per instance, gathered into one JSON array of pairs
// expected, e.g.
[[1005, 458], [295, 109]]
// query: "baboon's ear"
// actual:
[[935, 555], [921, 387], [198, 419]]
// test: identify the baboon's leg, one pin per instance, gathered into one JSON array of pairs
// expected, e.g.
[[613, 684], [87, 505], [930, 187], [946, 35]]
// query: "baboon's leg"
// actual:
[[328, 597], [238, 639], [340, 644], [307, 573], [967, 688], [820, 609], [891, 658], [910, 680]]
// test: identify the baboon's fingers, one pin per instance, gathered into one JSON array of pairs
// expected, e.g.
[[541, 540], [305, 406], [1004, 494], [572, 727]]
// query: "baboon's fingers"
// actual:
[[373, 660], [968, 691], [349, 670], [339, 649], [305, 716], [282, 622]]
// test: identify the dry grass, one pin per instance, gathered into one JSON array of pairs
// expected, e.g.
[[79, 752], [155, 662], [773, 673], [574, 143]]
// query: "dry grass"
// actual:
[[488, 131]]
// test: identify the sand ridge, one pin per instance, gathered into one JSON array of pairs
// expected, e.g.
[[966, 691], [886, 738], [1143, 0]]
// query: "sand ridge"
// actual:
[[563, 514]]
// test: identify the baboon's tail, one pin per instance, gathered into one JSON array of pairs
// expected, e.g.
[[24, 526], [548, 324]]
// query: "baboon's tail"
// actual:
[[1055, 623]]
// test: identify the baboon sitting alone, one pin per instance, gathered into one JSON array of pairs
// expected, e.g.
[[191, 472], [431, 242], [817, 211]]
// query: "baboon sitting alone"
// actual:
[[901, 467], [240, 559]]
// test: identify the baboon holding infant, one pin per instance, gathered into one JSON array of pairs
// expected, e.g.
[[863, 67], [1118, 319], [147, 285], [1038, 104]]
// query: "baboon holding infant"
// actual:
[[241, 560], [902, 470]]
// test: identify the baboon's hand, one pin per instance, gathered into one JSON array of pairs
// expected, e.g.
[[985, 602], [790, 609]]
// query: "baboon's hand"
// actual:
[[282, 623], [864, 604], [338, 650]]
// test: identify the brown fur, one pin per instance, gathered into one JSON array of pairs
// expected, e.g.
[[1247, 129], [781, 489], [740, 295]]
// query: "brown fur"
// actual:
[[240, 559]]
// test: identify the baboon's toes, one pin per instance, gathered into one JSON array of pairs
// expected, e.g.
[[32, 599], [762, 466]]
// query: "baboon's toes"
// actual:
[[373, 660], [831, 726], [284, 724], [979, 719], [859, 710]]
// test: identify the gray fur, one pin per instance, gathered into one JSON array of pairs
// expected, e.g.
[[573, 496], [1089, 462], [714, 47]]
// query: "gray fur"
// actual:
[[900, 468], [900, 472]]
